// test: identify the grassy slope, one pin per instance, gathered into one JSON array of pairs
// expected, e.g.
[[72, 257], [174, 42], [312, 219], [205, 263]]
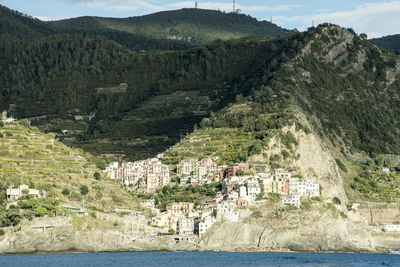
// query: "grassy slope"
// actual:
[[36, 159]]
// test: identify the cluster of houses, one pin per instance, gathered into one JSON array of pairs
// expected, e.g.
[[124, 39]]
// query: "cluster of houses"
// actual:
[[247, 188], [241, 186], [184, 218], [150, 174]]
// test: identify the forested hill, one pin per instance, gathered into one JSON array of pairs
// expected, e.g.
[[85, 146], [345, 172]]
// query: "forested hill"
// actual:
[[170, 30], [21, 26], [390, 43], [194, 26]]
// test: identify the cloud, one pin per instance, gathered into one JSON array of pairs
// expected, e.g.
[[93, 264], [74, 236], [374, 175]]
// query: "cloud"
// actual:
[[375, 19]]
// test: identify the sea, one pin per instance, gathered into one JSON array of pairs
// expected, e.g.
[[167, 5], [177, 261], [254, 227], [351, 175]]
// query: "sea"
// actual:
[[194, 259]]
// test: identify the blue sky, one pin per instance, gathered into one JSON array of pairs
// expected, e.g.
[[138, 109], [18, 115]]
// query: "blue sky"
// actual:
[[374, 17]]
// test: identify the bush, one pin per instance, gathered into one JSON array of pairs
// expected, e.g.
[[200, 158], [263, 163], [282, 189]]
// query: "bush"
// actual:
[[84, 190], [65, 192], [1, 232], [97, 176]]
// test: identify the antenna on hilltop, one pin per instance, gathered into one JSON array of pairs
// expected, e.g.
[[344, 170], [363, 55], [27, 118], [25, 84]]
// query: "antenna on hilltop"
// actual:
[[234, 6], [196, 5]]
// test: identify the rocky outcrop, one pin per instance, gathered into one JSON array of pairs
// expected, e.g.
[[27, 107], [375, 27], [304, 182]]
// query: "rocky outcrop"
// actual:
[[60, 235], [320, 229]]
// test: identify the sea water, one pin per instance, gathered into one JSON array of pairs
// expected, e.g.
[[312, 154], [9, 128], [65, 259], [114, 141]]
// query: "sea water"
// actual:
[[212, 259]]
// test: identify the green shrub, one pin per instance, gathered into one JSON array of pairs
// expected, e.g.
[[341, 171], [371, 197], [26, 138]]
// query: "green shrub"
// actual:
[[97, 176], [84, 190], [65, 192], [1, 232]]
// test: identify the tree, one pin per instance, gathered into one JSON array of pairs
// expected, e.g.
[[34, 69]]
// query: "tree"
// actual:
[[84, 190], [363, 36], [97, 176]]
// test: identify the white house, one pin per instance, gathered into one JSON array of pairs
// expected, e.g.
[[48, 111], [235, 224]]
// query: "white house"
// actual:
[[293, 200], [253, 187], [205, 224], [16, 193]]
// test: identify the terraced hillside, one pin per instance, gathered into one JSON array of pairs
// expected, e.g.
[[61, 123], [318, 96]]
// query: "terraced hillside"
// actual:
[[40, 161]]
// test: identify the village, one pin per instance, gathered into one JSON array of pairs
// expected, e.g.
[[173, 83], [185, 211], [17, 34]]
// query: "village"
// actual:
[[241, 186]]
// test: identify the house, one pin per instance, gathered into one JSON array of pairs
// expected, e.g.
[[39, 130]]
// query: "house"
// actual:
[[6, 119], [303, 187], [260, 168], [227, 210], [161, 220], [180, 208], [391, 228], [186, 167], [243, 191], [253, 187], [16, 193], [266, 185], [293, 200], [186, 226], [281, 174], [205, 224], [277, 187], [242, 203], [234, 168]]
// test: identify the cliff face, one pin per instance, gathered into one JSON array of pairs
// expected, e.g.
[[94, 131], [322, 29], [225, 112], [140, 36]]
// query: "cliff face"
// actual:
[[63, 235], [314, 230]]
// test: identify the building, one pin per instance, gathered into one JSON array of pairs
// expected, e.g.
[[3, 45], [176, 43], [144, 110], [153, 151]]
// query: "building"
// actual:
[[185, 226], [303, 187], [253, 187], [186, 167], [227, 210], [161, 220], [242, 203], [391, 228], [260, 168], [234, 168], [243, 191], [205, 224], [293, 200], [150, 173], [16, 193], [281, 174], [180, 207], [6, 119]]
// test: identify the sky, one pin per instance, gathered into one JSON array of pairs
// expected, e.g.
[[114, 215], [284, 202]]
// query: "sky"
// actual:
[[375, 17]]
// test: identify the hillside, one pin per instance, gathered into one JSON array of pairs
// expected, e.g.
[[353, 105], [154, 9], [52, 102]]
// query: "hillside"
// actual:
[[390, 43], [41, 162], [22, 26], [338, 87], [196, 27]]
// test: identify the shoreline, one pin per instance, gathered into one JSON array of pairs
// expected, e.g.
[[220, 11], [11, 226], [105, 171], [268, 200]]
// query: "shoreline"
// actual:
[[260, 250]]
